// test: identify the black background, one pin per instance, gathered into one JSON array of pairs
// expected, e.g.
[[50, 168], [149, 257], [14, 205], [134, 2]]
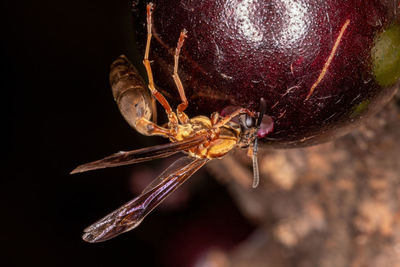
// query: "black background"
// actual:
[[58, 112]]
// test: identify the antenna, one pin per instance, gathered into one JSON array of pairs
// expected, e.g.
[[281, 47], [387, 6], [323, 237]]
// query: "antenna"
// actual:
[[256, 173]]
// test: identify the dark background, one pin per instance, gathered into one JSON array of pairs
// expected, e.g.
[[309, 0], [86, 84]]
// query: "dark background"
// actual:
[[58, 112]]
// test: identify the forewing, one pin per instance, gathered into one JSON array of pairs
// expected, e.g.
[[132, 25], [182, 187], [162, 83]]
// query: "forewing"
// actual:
[[140, 155], [132, 213]]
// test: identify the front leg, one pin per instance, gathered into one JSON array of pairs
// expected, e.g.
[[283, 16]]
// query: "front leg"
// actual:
[[229, 117]]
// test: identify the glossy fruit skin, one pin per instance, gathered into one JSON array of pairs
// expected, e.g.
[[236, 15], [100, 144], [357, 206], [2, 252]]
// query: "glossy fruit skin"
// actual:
[[239, 51]]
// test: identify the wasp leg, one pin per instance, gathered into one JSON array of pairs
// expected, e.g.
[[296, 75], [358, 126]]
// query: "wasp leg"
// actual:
[[228, 118], [183, 118], [214, 118], [146, 127], [171, 115]]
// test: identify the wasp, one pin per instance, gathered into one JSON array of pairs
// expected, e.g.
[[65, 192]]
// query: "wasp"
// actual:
[[201, 138]]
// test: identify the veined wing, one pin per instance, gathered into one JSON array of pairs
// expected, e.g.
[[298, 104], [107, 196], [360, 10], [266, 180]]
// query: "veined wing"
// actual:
[[132, 213], [140, 155]]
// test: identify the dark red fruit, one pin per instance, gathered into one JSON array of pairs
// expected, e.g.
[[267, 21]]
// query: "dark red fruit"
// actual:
[[320, 65]]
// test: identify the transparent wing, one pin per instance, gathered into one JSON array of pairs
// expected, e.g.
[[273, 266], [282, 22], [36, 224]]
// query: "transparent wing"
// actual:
[[132, 213], [140, 155]]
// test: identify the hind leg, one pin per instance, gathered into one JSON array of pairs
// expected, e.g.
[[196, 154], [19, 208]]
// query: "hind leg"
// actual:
[[183, 118], [160, 98]]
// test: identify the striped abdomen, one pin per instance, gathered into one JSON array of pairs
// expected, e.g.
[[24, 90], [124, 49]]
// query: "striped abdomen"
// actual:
[[130, 92]]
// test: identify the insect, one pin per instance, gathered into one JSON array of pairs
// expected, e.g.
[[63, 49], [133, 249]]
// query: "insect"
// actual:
[[200, 137]]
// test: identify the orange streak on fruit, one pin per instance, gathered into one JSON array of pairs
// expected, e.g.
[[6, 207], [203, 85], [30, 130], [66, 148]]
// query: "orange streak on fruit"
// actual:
[[328, 62]]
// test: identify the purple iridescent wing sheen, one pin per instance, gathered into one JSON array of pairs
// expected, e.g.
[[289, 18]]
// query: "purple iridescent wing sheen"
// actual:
[[132, 213]]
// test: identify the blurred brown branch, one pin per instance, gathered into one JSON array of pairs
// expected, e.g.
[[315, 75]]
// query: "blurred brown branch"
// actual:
[[335, 204]]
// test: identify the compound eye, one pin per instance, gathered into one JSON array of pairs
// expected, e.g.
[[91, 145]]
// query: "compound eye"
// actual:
[[250, 121]]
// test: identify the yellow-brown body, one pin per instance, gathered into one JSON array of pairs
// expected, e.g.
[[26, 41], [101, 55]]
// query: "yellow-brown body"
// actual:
[[135, 105], [220, 140]]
